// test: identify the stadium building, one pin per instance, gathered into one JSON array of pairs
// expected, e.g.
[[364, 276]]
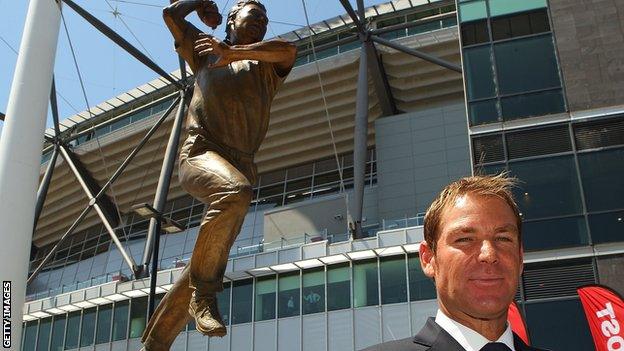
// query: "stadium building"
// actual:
[[541, 94]]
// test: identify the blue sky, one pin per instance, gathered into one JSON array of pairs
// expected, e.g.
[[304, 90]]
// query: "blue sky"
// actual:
[[106, 69]]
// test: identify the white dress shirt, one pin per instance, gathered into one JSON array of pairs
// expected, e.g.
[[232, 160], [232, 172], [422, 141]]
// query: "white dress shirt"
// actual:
[[469, 339]]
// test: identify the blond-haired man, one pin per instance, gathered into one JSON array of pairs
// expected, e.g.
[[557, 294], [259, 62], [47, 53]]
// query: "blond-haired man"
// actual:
[[473, 252]]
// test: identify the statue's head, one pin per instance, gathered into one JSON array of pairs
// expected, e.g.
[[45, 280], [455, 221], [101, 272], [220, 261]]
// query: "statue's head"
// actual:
[[246, 23]]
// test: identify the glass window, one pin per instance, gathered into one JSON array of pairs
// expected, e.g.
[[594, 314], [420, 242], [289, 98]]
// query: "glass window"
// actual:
[[87, 328], [504, 7], [520, 24], [423, 28], [58, 332], [548, 187], [483, 112], [607, 227], [479, 75], [536, 104], [138, 316], [265, 298], [474, 33], [288, 297], [30, 336], [242, 297], [393, 279], [338, 289], [472, 11], [313, 291], [554, 233], [526, 65], [120, 320], [44, 334], [421, 286], [223, 301], [546, 319], [601, 174], [72, 330], [104, 317], [365, 291]]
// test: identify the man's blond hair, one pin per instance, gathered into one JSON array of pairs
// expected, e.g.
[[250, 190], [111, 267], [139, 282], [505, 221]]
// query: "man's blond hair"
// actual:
[[499, 185]]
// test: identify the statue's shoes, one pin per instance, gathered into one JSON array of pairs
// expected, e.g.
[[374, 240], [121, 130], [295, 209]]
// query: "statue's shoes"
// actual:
[[208, 321]]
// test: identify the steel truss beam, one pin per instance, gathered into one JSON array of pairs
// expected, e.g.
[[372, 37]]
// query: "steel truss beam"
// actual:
[[417, 53], [103, 190]]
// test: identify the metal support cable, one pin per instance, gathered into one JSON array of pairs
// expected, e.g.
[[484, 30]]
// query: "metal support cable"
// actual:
[[123, 43], [130, 30], [354, 17]]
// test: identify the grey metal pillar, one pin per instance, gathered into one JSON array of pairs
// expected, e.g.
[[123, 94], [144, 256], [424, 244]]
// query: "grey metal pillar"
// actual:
[[93, 201], [152, 242], [360, 143], [43, 187]]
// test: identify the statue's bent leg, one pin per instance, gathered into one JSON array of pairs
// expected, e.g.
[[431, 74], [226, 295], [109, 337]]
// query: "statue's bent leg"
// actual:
[[215, 181], [170, 317]]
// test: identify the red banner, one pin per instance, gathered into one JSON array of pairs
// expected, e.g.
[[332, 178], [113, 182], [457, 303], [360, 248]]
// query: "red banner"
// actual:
[[604, 309], [517, 322]]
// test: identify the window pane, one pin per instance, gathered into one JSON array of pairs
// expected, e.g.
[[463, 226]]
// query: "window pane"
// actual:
[[223, 301], [554, 233], [393, 280], [483, 112], [601, 173], [120, 320], [265, 298], [288, 297], [504, 7], [338, 290], [30, 336], [548, 187], [44, 334], [536, 104], [421, 286], [314, 291], [520, 24], [479, 75], [365, 291], [73, 327], [607, 227], [474, 33], [138, 316], [526, 64], [58, 331], [87, 329], [472, 11], [559, 318], [105, 314], [242, 297]]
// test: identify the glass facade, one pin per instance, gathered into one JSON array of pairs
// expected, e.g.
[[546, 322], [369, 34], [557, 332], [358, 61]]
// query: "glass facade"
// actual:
[[87, 328], [104, 319], [265, 298], [510, 65], [288, 296], [338, 287], [571, 188], [313, 291], [365, 283]]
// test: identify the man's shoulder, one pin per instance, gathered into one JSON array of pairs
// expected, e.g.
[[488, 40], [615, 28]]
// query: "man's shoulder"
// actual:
[[406, 344]]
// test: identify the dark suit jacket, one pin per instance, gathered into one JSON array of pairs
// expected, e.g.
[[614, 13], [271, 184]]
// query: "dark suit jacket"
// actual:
[[433, 338]]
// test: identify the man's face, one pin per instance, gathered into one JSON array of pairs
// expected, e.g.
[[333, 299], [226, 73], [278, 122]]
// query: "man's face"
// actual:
[[478, 259], [250, 24]]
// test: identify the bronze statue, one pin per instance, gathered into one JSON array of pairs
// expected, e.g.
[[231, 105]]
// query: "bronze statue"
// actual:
[[235, 82]]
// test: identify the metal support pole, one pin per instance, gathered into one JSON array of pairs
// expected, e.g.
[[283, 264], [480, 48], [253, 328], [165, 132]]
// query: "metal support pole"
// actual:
[[354, 17], [123, 43], [43, 187], [419, 54], [20, 153], [93, 201], [152, 242], [360, 142], [166, 171], [115, 175]]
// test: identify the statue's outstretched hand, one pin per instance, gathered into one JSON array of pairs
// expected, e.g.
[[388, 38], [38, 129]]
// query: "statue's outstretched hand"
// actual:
[[209, 45], [208, 13]]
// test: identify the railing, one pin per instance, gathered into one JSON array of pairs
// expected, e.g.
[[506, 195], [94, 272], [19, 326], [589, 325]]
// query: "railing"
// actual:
[[368, 231]]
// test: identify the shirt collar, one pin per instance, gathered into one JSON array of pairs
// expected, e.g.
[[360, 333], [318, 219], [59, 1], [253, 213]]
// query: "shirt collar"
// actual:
[[468, 338]]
